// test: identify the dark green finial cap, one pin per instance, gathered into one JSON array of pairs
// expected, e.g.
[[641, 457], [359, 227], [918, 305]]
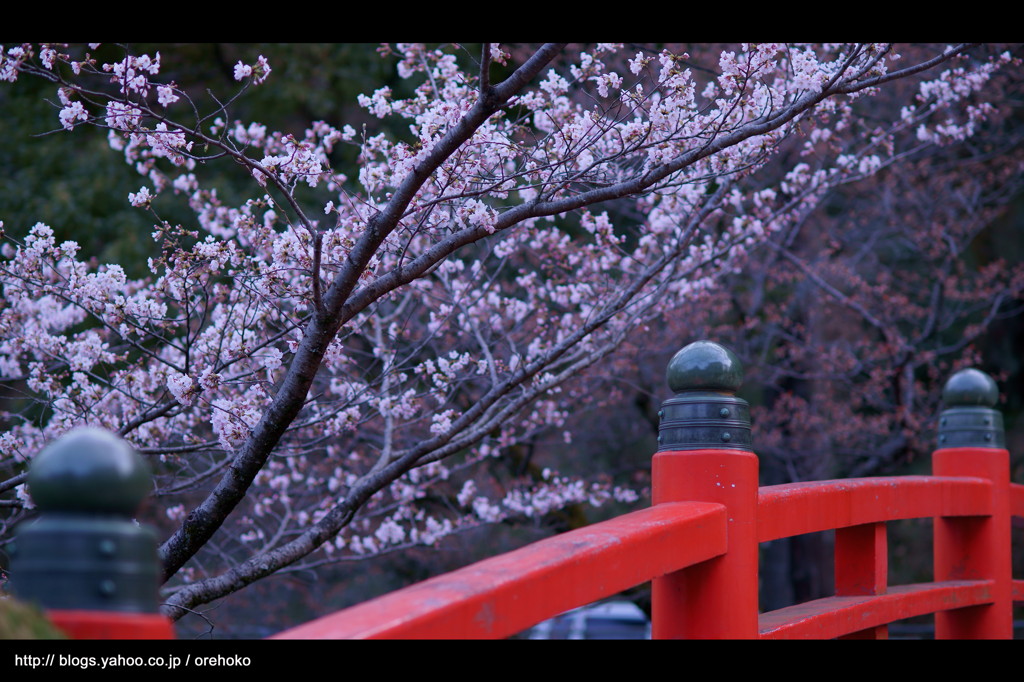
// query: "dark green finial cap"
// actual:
[[705, 366], [89, 470], [704, 412], [970, 387], [969, 419], [84, 551]]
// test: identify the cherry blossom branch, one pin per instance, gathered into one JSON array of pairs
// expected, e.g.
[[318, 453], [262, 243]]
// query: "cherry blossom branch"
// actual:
[[205, 519], [443, 445]]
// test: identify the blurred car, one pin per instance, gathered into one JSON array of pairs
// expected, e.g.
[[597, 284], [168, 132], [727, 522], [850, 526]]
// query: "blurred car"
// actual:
[[606, 620]]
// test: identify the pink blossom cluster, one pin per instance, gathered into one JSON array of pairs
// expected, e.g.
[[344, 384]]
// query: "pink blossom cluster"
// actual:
[[258, 72]]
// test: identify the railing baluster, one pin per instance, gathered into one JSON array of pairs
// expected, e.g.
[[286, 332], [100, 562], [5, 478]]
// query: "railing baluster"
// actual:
[[705, 455], [974, 547], [861, 567]]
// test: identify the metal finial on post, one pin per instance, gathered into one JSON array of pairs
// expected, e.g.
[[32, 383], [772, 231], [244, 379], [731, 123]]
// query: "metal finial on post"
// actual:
[[705, 412], [970, 419], [85, 552]]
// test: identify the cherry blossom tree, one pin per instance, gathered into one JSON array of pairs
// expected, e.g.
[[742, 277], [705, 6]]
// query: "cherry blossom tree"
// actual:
[[850, 321], [316, 372]]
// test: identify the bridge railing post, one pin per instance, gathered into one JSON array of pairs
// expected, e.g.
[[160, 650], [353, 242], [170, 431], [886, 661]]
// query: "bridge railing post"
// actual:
[[84, 560], [861, 568], [705, 455], [971, 443]]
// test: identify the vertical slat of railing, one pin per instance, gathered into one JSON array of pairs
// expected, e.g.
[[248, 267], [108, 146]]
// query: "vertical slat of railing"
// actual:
[[704, 455], [975, 547], [861, 568]]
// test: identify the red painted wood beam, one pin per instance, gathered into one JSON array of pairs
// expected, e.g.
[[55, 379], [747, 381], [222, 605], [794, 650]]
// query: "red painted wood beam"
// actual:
[[79, 624], [1016, 499], [976, 547], [813, 506], [836, 616], [862, 567], [505, 595], [716, 599]]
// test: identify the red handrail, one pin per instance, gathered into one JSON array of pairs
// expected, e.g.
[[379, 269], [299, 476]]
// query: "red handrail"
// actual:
[[501, 596], [705, 581], [702, 556], [838, 616], [813, 506]]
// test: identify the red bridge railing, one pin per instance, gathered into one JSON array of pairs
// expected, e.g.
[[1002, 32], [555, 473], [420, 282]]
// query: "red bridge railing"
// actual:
[[699, 541]]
